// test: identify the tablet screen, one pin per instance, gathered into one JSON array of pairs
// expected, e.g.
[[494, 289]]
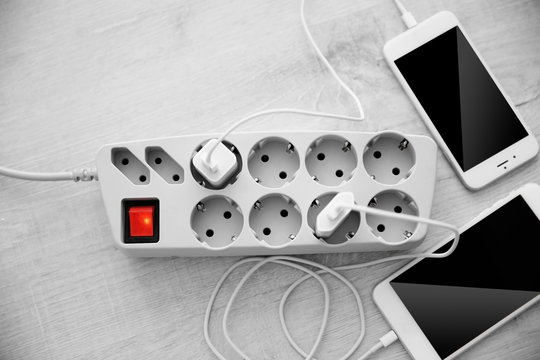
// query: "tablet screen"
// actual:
[[493, 271]]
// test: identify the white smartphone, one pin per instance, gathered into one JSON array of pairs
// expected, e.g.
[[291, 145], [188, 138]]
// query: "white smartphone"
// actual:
[[441, 307], [474, 122]]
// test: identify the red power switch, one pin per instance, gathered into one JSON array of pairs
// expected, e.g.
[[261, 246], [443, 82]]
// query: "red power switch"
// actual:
[[141, 221]]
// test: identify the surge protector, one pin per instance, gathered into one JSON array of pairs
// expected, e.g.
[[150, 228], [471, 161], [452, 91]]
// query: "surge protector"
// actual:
[[159, 205]]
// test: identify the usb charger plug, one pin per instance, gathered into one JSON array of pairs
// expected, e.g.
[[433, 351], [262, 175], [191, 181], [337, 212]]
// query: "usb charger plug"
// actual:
[[218, 167], [334, 213]]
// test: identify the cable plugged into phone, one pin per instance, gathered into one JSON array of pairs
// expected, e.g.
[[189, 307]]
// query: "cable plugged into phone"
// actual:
[[388, 339], [406, 16]]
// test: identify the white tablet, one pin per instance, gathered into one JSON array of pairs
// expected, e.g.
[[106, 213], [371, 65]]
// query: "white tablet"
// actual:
[[441, 307]]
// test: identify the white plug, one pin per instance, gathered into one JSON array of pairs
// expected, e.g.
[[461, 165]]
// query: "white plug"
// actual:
[[333, 214], [217, 168]]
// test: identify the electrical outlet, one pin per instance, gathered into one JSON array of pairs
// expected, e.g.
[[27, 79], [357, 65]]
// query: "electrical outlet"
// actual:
[[164, 165], [331, 160], [130, 166], [392, 230], [389, 158], [275, 220], [273, 162], [217, 221]]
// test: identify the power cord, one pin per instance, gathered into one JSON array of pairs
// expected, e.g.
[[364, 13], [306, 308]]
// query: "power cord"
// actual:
[[294, 263], [76, 175]]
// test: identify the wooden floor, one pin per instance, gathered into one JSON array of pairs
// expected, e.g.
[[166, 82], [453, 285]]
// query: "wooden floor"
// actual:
[[78, 74]]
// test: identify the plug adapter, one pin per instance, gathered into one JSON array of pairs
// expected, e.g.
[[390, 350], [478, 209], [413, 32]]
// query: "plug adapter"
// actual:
[[223, 163], [333, 215]]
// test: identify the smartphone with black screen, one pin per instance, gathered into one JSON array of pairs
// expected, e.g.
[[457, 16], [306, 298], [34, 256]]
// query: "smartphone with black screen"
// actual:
[[472, 119], [441, 307]]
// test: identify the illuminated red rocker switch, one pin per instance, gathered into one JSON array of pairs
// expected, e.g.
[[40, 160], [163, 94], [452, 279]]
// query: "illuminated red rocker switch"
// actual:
[[141, 221]]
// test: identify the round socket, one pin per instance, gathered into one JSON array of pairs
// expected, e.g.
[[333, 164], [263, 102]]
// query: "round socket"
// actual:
[[232, 179], [273, 162], [389, 158], [217, 221], [275, 219], [331, 160], [389, 229], [344, 232]]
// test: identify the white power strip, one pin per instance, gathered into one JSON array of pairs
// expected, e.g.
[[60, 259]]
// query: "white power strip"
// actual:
[[158, 205]]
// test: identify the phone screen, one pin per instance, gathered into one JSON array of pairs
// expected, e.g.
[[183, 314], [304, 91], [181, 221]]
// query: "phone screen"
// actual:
[[461, 99], [493, 271]]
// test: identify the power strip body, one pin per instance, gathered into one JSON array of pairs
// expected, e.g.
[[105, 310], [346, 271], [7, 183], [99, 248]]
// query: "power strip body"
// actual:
[[180, 194]]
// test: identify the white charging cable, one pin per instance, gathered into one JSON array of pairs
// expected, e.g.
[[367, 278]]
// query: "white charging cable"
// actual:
[[326, 62], [406, 15], [294, 262], [207, 160], [76, 175]]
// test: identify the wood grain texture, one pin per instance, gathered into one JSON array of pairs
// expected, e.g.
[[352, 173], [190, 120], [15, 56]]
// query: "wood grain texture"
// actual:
[[78, 74]]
